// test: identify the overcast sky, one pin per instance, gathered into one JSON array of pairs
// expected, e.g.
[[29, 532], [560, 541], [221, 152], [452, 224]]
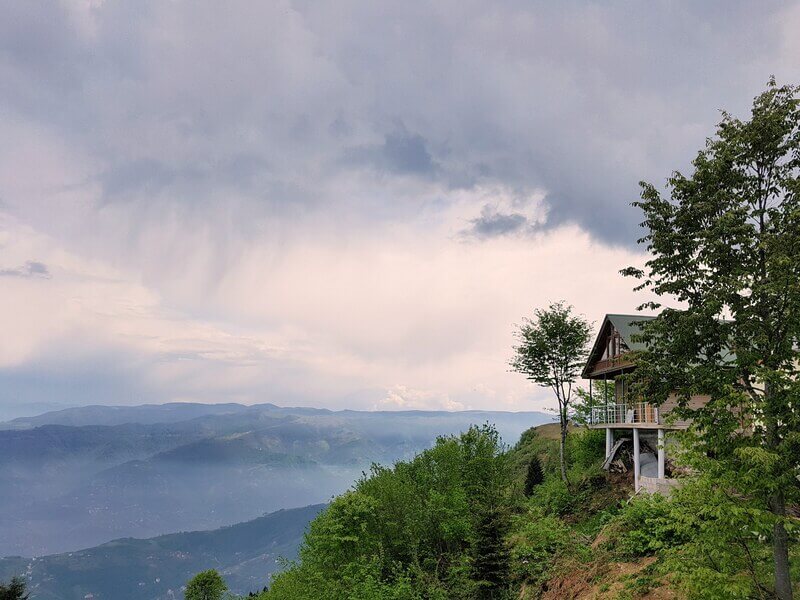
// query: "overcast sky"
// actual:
[[338, 204]]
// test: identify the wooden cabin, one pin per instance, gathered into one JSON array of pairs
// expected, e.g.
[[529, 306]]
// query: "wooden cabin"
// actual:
[[626, 418]]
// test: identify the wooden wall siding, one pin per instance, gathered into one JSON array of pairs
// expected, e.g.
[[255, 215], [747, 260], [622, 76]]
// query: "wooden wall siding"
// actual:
[[671, 403]]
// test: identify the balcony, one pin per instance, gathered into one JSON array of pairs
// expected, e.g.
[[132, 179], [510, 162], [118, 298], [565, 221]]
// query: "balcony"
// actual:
[[636, 413], [615, 363]]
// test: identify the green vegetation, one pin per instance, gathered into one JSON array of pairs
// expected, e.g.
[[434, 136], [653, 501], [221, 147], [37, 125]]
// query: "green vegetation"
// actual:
[[455, 523], [433, 527], [534, 477]]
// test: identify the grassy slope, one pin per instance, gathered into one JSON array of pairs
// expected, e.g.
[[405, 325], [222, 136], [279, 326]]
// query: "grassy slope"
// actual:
[[586, 567]]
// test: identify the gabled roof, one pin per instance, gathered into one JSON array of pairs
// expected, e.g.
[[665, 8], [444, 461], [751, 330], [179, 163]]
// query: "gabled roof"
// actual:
[[627, 328]]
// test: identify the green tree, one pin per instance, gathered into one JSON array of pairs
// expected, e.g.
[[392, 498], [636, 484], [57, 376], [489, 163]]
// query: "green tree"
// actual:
[[14, 590], [726, 246], [534, 476], [551, 351], [491, 563], [206, 585]]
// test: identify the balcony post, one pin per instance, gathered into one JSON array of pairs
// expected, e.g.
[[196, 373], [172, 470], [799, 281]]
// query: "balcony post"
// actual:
[[661, 455], [609, 441], [636, 463]]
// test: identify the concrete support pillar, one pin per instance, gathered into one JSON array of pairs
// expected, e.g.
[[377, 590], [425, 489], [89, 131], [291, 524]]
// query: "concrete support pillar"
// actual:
[[662, 459], [636, 463], [609, 441]]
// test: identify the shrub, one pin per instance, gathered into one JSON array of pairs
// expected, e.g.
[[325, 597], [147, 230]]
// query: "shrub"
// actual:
[[646, 525], [14, 589], [539, 539], [586, 448], [553, 496], [433, 527]]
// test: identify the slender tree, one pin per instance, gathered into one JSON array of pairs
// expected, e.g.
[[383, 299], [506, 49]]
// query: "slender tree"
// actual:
[[726, 246], [551, 351]]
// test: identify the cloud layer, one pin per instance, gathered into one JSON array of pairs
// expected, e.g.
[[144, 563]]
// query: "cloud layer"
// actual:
[[340, 204]]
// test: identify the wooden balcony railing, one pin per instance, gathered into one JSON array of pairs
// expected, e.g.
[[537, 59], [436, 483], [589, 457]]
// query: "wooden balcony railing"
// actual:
[[609, 364], [636, 412]]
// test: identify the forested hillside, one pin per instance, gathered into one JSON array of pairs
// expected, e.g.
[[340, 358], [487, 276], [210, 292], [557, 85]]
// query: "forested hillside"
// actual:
[[470, 519]]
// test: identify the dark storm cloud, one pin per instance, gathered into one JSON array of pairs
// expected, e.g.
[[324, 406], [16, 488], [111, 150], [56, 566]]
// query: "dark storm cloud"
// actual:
[[580, 100], [29, 270], [492, 223], [406, 153], [401, 153]]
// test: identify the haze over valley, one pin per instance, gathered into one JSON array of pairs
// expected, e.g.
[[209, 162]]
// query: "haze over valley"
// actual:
[[81, 477]]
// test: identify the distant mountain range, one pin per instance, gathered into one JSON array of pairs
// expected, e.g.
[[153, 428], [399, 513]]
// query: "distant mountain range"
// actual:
[[157, 568], [78, 477]]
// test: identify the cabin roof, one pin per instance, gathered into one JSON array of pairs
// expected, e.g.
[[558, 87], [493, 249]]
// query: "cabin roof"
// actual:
[[627, 327]]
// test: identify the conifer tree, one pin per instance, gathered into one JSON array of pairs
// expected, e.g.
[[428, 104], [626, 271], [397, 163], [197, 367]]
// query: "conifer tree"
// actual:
[[491, 563], [534, 476]]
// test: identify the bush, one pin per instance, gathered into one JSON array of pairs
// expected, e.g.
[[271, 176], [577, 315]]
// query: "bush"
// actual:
[[14, 589], [539, 539], [586, 448], [645, 525], [553, 496]]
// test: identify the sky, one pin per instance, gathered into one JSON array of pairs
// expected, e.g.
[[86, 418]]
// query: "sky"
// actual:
[[338, 204]]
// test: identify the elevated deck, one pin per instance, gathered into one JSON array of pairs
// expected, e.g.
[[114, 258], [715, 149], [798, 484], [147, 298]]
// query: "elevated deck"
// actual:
[[637, 415]]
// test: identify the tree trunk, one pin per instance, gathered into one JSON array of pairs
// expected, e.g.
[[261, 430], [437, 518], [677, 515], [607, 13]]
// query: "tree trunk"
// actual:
[[780, 539], [561, 451], [780, 549]]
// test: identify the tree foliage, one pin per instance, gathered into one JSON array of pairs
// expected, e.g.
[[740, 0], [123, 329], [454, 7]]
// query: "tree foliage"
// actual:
[[726, 246], [206, 585], [599, 393], [14, 590], [534, 476], [551, 350], [433, 527]]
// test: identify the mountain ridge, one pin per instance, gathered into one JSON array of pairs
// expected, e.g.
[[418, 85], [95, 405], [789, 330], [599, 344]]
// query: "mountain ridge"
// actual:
[[155, 568]]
